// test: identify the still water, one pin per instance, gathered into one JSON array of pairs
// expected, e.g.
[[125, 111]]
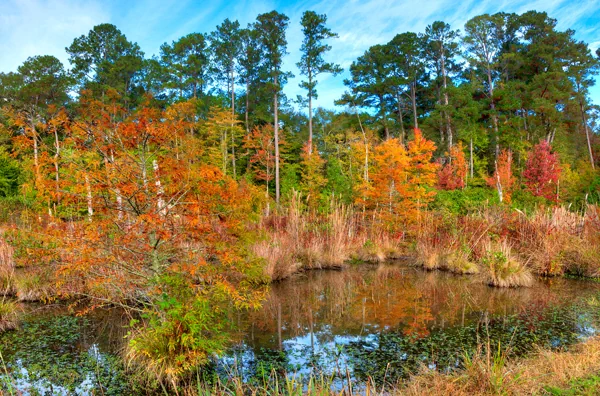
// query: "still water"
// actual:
[[373, 323]]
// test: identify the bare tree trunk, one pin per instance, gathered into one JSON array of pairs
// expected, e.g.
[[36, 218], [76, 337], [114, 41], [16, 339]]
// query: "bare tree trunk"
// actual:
[[498, 184], [90, 208], [446, 101], [56, 167], [587, 134], [276, 133], [413, 98], [36, 162], [494, 116], [400, 120], [310, 123], [160, 202], [471, 156]]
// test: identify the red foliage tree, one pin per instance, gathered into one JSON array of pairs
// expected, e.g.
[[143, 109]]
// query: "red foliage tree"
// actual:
[[454, 174], [542, 171]]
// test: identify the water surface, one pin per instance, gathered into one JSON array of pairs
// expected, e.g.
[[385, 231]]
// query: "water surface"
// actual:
[[369, 323]]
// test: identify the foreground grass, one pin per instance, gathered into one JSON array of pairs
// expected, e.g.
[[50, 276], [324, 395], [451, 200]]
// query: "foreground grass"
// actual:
[[573, 372], [580, 386]]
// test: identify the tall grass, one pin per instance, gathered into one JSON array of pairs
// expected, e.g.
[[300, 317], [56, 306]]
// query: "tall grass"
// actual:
[[489, 373], [7, 268], [298, 238]]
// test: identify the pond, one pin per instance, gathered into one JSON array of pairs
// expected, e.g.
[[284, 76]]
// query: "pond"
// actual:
[[375, 323]]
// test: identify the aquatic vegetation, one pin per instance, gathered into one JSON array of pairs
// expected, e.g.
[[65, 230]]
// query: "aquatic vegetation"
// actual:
[[53, 353]]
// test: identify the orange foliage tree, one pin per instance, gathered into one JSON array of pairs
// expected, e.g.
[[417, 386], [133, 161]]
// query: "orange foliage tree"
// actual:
[[503, 179], [422, 174], [401, 180], [153, 229]]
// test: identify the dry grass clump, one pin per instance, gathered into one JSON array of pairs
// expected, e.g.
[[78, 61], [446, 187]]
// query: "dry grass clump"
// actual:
[[541, 238], [9, 315], [428, 255], [504, 269], [488, 374], [376, 247], [34, 285], [278, 256], [457, 261], [7, 268]]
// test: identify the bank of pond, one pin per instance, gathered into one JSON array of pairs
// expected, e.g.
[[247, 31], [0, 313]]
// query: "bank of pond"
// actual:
[[373, 325]]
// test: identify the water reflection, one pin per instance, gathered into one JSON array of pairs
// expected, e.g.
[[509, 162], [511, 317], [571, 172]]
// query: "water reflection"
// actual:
[[328, 321], [366, 322]]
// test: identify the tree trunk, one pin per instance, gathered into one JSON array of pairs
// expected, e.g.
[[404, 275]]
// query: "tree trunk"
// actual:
[[36, 162], [400, 119], [413, 98], [160, 202], [276, 133], [90, 208], [310, 125], [498, 184], [56, 167], [587, 134], [494, 116], [232, 123], [446, 101]]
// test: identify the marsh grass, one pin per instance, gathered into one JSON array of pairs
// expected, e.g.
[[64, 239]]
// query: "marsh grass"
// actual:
[[300, 239], [7, 268], [503, 267], [543, 371], [9, 315]]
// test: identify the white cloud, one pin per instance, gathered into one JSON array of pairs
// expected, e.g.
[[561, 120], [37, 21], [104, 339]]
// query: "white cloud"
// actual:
[[30, 27], [43, 27]]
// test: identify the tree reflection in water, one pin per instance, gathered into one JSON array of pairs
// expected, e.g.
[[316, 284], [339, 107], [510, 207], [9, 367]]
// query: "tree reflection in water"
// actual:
[[325, 321]]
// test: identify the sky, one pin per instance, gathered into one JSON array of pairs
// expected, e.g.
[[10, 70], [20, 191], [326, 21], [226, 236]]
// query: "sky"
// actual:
[[46, 27]]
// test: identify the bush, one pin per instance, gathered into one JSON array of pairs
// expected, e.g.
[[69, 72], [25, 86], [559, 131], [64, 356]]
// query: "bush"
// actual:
[[464, 201]]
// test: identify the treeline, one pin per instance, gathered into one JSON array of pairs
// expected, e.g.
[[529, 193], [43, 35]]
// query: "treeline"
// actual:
[[505, 83]]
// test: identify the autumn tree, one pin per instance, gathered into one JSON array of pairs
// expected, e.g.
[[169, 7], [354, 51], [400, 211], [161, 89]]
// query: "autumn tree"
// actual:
[[542, 172], [313, 176], [32, 96], [388, 189], [453, 175], [422, 175], [503, 179]]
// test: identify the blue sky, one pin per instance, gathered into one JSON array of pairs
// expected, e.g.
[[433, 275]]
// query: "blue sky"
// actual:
[[39, 27]]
